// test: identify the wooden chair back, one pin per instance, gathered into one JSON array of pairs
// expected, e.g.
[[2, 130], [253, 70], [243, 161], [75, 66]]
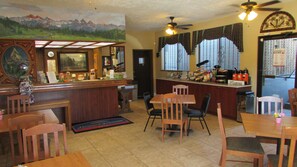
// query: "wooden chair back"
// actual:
[[172, 113], [222, 128], [44, 131], [288, 133], [292, 100], [180, 89], [172, 108], [269, 105], [15, 127], [18, 104]]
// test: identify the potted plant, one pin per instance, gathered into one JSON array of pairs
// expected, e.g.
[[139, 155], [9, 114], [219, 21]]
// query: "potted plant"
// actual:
[[278, 116]]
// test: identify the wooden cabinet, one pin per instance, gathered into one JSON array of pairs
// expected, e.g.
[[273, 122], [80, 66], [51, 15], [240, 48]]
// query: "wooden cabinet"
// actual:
[[224, 94]]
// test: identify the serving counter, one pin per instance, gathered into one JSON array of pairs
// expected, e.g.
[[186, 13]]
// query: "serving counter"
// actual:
[[220, 93], [89, 99]]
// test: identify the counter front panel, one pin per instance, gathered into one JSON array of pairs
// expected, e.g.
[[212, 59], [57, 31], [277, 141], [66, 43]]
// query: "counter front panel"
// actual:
[[224, 94]]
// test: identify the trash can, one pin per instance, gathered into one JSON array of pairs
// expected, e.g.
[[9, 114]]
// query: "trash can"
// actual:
[[245, 103]]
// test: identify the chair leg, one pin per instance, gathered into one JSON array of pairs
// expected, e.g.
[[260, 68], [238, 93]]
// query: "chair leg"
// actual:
[[201, 122], [261, 161], [189, 126], [255, 162], [163, 132], [153, 121], [206, 125], [186, 128], [181, 133], [223, 159], [146, 123]]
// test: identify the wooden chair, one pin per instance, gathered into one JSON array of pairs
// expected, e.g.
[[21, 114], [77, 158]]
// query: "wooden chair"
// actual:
[[180, 89], [18, 104], [15, 133], [269, 105], [172, 114], [200, 114], [239, 146], [44, 131], [293, 100], [151, 111], [281, 160]]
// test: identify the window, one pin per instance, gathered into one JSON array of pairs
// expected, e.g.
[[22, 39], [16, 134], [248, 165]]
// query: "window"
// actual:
[[174, 58], [220, 51]]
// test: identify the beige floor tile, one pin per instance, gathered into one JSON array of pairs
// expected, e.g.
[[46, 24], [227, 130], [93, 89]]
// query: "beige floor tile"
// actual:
[[129, 146]]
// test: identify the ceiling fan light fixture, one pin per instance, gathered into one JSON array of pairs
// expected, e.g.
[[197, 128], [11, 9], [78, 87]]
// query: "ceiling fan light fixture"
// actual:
[[252, 15], [242, 15], [169, 31]]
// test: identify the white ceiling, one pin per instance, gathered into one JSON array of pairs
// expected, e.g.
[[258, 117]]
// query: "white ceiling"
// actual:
[[152, 15]]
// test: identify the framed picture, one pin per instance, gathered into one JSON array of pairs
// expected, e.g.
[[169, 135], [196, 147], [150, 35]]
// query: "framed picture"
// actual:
[[106, 61], [73, 62]]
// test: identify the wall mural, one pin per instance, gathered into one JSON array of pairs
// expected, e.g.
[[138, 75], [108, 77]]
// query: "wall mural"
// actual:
[[20, 21]]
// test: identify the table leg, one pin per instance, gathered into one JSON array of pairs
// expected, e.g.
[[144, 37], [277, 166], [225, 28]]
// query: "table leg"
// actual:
[[278, 142]]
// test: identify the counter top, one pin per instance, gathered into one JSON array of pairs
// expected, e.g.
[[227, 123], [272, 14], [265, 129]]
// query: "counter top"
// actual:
[[8, 89], [205, 83]]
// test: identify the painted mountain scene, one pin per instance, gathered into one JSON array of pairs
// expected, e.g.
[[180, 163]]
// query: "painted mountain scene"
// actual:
[[44, 23]]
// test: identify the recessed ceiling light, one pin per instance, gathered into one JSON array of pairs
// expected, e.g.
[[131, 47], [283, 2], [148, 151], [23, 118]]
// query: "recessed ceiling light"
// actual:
[[39, 46], [53, 46], [83, 43], [73, 46], [90, 47], [41, 42], [60, 43], [104, 43]]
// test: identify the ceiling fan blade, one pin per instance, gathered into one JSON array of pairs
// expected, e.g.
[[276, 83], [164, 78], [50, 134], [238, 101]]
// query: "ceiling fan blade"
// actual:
[[182, 25], [183, 28], [268, 9], [267, 3]]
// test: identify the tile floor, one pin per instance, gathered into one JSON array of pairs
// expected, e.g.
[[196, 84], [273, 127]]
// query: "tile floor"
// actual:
[[129, 146]]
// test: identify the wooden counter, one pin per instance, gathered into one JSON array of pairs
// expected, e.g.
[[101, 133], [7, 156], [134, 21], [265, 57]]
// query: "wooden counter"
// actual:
[[220, 93], [89, 99]]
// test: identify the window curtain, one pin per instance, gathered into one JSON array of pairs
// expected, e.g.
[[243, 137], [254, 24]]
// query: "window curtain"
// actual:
[[233, 32], [183, 39]]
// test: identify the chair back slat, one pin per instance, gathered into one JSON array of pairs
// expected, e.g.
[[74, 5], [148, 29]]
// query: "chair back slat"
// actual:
[[16, 125], [269, 105], [18, 104], [44, 130], [180, 89]]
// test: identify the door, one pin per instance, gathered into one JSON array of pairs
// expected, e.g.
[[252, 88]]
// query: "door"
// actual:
[[143, 71], [277, 65]]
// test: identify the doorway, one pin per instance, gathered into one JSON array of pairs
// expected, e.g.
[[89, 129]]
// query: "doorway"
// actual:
[[143, 71], [277, 65]]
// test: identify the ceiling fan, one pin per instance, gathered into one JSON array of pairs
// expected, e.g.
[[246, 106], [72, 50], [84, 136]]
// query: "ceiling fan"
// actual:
[[251, 6], [172, 25]]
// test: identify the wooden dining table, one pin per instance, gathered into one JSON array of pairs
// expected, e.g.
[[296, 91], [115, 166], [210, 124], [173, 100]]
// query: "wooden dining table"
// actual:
[[50, 117], [265, 125], [75, 159], [185, 99]]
